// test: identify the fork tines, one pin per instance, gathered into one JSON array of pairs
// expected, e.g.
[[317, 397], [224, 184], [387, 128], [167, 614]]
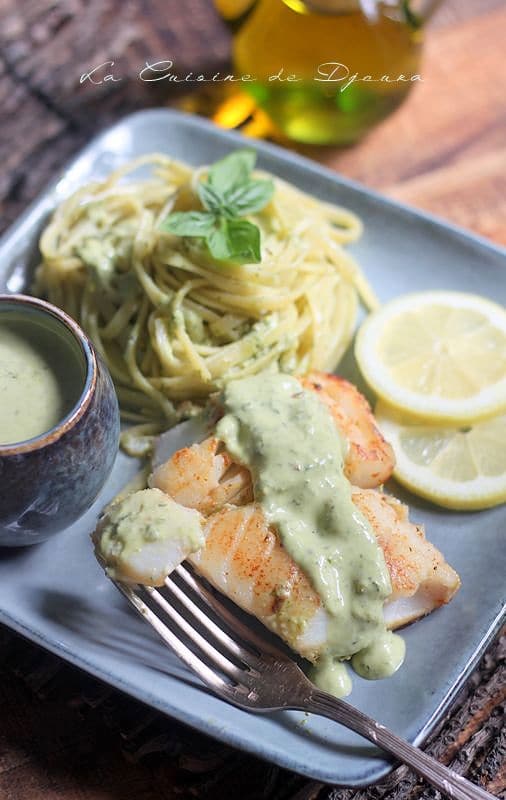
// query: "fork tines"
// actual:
[[237, 662]]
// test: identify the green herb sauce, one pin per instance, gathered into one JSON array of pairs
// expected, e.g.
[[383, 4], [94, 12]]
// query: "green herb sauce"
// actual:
[[287, 438], [41, 376], [143, 536]]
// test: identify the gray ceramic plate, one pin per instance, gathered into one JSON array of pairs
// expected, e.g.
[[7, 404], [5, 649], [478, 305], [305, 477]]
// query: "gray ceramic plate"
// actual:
[[56, 595]]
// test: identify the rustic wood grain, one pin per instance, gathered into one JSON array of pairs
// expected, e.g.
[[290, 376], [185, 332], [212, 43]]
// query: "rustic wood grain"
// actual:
[[62, 734], [46, 46], [445, 149]]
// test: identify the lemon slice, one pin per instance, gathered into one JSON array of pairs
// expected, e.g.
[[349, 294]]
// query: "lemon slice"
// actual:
[[437, 355], [456, 467]]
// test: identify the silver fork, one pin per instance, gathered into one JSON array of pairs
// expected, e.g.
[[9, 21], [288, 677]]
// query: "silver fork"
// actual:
[[253, 674]]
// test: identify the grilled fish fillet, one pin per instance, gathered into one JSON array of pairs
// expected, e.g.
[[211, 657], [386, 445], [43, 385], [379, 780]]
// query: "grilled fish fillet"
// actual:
[[244, 558]]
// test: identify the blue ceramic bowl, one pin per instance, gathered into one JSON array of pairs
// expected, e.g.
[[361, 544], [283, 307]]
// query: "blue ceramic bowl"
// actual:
[[49, 481]]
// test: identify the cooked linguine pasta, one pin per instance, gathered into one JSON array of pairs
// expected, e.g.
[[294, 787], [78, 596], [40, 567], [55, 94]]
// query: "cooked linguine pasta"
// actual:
[[172, 323]]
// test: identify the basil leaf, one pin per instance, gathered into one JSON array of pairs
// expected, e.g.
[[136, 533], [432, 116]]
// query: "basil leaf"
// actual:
[[250, 197], [231, 171], [189, 223], [228, 194], [235, 240], [209, 198], [244, 241], [217, 242]]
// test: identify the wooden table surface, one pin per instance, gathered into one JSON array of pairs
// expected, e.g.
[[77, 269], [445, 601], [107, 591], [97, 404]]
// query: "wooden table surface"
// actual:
[[63, 735]]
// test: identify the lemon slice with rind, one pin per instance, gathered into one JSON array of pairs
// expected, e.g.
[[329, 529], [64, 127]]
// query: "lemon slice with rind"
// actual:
[[455, 467], [437, 355]]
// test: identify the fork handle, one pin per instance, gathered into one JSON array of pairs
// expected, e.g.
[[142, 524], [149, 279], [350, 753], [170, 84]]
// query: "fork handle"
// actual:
[[446, 780]]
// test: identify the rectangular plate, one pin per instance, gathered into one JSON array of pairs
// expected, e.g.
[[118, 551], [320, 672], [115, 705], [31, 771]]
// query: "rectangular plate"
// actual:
[[56, 594]]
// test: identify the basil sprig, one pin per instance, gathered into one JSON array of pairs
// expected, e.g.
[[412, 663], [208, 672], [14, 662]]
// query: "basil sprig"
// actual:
[[228, 194]]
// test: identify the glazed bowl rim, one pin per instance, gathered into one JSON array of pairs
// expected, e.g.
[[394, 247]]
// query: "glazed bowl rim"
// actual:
[[80, 406]]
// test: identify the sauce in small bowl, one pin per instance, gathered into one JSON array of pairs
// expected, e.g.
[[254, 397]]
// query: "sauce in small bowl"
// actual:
[[59, 420], [42, 373]]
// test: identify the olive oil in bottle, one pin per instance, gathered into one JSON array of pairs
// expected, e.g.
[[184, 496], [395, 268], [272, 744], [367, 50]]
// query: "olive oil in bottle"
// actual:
[[325, 71]]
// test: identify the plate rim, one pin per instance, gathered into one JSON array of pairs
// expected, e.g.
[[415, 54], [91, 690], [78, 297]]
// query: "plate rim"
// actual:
[[208, 726], [275, 150], [211, 727]]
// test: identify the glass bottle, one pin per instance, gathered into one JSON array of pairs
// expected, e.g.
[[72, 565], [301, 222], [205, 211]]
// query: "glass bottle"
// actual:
[[325, 71]]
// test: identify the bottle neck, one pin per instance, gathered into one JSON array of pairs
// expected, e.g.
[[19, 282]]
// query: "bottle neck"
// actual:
[[337, 6], [421, 9]]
